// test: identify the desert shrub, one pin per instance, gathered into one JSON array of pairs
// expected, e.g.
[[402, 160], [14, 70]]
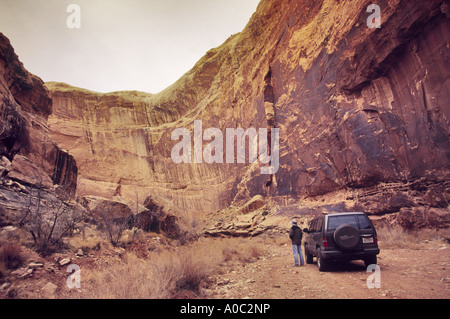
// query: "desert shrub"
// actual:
[[160, 276], [395, 236], [89, 238], [244, 250], [190, 228], [48, 221], [255, 251], [168, 273], [192, 271], [112, 227], [228, 253], [128, 279], [10, 255], [279, 240], [114, 230], [390, 236]]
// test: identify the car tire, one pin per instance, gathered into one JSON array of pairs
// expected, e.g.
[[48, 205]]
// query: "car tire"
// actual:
[[370, 260], [322, 264], [309, 257], [346, 236]]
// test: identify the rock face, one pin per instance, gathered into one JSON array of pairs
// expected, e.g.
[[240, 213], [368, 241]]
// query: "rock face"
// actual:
[[359, 110], [30, 158], [121, 142], [158, 216]]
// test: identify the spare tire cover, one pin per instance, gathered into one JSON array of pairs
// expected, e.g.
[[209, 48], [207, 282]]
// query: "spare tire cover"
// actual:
[[346, 236]]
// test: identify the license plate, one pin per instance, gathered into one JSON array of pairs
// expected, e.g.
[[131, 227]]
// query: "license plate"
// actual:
[[367, 240]]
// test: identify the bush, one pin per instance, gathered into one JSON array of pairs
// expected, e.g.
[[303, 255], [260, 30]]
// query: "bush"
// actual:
[[243, 250], [191, 272], [48, 220], [395, 236], [10, 256], [160, 276], [171, 273]]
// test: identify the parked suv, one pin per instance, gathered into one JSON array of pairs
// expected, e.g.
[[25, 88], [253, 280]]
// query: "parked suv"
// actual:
[[341, 236]]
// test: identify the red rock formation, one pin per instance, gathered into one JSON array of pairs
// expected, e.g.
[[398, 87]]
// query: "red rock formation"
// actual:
[[159, 216], [356, 108], [364, 112], [29, 155]]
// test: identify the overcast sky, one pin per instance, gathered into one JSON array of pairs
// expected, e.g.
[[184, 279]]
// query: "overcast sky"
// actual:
[[143, 45]]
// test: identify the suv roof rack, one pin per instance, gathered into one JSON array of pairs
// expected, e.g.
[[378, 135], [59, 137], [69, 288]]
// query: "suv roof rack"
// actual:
[[343, 213]]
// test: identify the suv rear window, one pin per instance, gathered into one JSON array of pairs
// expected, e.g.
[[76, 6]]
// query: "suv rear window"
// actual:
[[335, 221]]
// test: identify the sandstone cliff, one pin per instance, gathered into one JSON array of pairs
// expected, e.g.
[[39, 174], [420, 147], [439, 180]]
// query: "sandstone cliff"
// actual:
[[30, 160], [363, 114]]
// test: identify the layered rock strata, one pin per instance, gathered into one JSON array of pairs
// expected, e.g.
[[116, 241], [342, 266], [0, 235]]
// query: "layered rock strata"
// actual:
[[356, 108], [31, 163]]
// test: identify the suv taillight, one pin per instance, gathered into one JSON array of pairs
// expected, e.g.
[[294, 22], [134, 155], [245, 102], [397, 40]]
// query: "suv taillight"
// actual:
[[325, 242], [375, 239]]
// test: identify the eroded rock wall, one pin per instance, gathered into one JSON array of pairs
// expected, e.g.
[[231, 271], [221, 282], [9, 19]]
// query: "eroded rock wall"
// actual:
[[30, 160], [357, 108]]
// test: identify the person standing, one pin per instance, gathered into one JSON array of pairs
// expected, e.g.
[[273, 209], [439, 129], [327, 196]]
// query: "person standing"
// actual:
[[295, 234]]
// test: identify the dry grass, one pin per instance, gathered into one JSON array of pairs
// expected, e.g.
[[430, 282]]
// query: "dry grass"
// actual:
[[173, 273], [88, 238], [243, 250], [119, 281], [394, 236], [279, 240]]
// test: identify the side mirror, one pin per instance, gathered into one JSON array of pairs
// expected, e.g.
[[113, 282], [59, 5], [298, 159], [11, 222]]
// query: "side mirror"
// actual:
[[306, 230]]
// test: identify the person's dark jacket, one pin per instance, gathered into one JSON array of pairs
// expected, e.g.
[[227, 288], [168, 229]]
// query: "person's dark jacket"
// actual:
[[295, 234]]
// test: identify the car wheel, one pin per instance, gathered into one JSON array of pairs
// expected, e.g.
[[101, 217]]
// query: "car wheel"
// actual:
[[309, 257], [346, 236], [322, 264], [370, 260]]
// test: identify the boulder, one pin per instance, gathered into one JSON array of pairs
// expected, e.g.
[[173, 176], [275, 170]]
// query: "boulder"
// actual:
[[35, 264], [64, 261], [5, 165], [423, 217], [24, 170], [107, 208], [253, 204], [158, 218]]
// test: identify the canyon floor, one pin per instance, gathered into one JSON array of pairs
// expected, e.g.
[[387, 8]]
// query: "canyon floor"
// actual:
[[422, 272], [243, 268]]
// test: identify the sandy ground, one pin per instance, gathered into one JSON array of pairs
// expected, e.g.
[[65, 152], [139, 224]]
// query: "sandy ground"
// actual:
[[404, 273]]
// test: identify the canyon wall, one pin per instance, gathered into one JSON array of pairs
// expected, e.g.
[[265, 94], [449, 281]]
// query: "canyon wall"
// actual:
[[360, 111], [30, 160]]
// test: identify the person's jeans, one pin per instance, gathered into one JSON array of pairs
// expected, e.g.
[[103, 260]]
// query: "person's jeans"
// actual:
[[297, 250]]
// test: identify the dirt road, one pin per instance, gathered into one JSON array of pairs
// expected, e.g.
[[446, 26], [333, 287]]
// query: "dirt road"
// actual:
[[404, 273]]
